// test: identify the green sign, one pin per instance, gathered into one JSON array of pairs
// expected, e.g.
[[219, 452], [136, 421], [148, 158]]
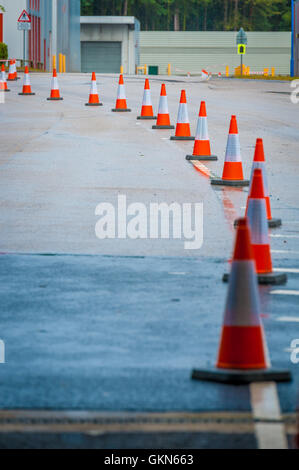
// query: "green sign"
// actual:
[[242, 49]]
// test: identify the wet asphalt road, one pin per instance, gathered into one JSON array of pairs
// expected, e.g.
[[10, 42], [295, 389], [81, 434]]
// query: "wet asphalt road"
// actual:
[[122, 331]]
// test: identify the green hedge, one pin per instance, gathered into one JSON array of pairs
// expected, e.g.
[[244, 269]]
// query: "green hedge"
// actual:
[[3, 51]]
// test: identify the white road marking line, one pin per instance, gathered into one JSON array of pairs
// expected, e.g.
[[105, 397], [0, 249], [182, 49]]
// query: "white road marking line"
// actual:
[[177, 274], [276, 235], [284, 292], [288, 252], [287, 270], [288, 319], [265, 407]]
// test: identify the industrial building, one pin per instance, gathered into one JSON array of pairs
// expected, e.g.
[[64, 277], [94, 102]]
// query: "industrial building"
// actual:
[[109, 42], [295, 39], [191, 51], [10, 35], [55, 28]]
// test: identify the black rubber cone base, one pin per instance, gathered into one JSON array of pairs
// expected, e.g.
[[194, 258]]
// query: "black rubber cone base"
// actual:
[[240, 377], [272, 223], [147, 118], [202, 158], [114, 110], [13, 80], [237, 183], [162, 127], [54, 99], [174, 137], [26, 94], [93, 104], [266, 279]]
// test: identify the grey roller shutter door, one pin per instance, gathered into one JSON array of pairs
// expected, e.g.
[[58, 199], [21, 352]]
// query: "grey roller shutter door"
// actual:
[[101, 57]]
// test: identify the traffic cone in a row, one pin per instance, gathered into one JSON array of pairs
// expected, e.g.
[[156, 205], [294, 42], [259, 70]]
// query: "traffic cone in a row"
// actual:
[[259, 162], [242, 356], [256, 213], [121, 101], [233, 169], [3, 83], [202, 146], [163, 119], [26, 85], [93, 95], [182, 131], [11, 72], [147, 108], [55, 93]]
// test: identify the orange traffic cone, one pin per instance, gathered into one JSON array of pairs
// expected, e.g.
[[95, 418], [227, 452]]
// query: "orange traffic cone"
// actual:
[[242, 355], [121, 101], [93, 95], [147, 108], [3, 79], [15, 70], [11, 74], [55, 93], [233, 170], [202, 147], [163, 120], [259, 162], [26, 86], [256, 213], [182, 131], [257, 216]]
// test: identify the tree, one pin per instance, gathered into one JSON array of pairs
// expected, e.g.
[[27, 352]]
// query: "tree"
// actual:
[[196, 15]]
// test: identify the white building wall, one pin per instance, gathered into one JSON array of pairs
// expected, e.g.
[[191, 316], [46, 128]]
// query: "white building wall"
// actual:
[[11, 36], [191, 51]]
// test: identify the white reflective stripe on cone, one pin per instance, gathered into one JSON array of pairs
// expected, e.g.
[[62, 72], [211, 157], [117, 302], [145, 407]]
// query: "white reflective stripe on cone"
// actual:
[[55, 85], [163, 105], [93, 88], [262, 166], [146, 98], [3, 76], [202, 129], [121, 92], [257, 217], [233, 150], [183, 117], [243, 301], [26, 79]]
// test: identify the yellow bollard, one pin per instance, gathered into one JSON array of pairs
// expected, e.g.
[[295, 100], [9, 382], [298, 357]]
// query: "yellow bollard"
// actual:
[[266, 72], [169, 69], [227, 71], [54, 62], [60, 63], [273, 71], [63, 64], [145, 69], [122, 69], [248, 71]]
